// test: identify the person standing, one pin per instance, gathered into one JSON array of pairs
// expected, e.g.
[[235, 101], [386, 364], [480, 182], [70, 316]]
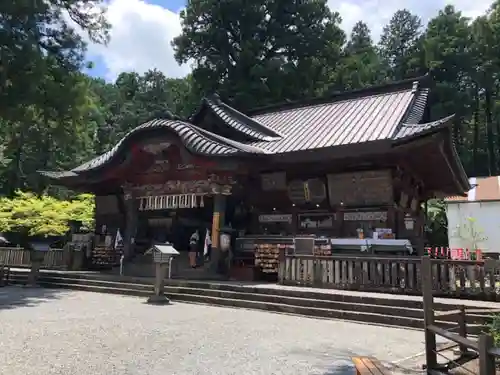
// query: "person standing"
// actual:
[[207, 248], [193, 248]]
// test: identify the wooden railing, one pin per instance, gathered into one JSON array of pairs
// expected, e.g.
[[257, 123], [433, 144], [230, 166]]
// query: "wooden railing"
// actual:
[[457, 278], [19, 257], [469, 349]]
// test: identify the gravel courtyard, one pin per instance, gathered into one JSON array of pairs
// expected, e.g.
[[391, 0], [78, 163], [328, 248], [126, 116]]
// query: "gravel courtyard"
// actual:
[[44, 332]]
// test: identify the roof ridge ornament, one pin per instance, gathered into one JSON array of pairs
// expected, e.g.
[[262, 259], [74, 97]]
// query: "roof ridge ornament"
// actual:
[[414, 88]]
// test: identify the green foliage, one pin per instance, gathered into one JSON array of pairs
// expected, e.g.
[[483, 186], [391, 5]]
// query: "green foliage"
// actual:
[[469, 232], [437, 223], [258, 52], [253, 52], [493, 328], [44, 215]]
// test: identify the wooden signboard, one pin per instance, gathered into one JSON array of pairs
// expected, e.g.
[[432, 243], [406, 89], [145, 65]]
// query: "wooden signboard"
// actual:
[[316, 220], [365, 216], [275, 218], [361, 188], [273, 181]]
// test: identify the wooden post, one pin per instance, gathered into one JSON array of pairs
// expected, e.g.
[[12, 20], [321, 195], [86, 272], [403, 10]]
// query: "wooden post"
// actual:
[[462, 329], [217, 223], [428, 300], [131, 215], [486, 360]]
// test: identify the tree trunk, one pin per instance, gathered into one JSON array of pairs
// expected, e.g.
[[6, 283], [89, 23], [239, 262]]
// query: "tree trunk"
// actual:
[[475, 142], [489, 132]]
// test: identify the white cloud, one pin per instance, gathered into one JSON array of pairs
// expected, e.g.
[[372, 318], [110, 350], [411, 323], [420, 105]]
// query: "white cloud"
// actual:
[[141, 32], [377, 13], [140, 39]]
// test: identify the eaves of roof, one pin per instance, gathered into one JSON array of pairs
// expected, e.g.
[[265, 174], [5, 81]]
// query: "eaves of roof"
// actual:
[[408, 131], [195, 139]]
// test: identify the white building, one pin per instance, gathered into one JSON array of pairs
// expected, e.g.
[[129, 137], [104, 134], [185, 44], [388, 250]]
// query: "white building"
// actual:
[[474, 220]]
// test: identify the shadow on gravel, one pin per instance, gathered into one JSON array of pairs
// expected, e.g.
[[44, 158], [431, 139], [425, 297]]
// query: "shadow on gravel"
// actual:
[[17, 296]]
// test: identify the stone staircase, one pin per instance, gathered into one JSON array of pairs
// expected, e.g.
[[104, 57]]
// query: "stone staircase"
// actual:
[[142, 266], [360, 307]]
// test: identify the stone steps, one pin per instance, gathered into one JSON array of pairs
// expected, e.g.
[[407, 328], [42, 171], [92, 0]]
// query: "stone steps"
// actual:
[[388, 311]]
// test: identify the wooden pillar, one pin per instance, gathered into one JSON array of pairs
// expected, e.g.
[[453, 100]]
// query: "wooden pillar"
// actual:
[[218, 221], [131, 216], [428, 302]]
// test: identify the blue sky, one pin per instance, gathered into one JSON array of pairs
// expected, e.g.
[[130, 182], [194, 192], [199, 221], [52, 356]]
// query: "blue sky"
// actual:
[[143, 29]]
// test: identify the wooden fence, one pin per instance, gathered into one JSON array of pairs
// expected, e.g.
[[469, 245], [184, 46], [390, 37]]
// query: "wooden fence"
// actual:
[[454, 278], [19, 257], [469, 349]]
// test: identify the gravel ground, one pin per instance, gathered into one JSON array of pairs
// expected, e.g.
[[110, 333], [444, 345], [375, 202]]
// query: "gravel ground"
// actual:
[[45, 332]]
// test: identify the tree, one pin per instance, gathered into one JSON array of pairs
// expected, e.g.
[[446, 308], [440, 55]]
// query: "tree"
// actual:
[[36, 35], [447, 47], [257, 52], [437, 223], [360, 65], [401, 44], [31, 215], [42, 92]]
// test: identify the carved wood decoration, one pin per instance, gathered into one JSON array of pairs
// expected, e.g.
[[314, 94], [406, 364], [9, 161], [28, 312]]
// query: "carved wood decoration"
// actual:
[[313, 191], [159, 162], [361, 188], [296, 192], [213, 185]]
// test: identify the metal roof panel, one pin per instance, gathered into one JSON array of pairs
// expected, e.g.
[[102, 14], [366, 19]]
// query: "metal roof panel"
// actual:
[[355, 120]]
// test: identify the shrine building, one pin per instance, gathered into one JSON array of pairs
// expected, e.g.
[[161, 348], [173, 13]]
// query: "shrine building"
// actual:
[[341, 169]]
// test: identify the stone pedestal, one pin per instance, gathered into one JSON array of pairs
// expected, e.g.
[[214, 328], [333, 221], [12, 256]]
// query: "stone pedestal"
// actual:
[[34, 273], [159, 297]]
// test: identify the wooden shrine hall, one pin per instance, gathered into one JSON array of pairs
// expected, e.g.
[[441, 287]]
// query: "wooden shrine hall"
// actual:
[[350, 167]]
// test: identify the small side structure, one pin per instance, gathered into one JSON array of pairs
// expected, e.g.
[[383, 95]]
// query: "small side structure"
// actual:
[[474, 219]]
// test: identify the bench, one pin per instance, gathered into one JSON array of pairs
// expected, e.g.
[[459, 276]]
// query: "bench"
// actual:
[[369, 366]]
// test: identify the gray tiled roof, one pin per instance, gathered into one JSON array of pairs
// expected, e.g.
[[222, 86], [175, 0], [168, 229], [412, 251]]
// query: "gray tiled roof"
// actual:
[[411, 130], [195, 139], [355, 120], [239, 121]]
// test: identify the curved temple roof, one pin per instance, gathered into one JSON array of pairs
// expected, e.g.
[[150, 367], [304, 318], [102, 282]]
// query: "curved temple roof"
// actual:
[[391, 113], [198, 141]]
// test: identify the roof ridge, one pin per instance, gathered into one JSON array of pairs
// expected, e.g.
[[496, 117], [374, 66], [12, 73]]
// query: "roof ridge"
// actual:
[[229, 142], [267, 134], [415, 111], [386, 88]]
